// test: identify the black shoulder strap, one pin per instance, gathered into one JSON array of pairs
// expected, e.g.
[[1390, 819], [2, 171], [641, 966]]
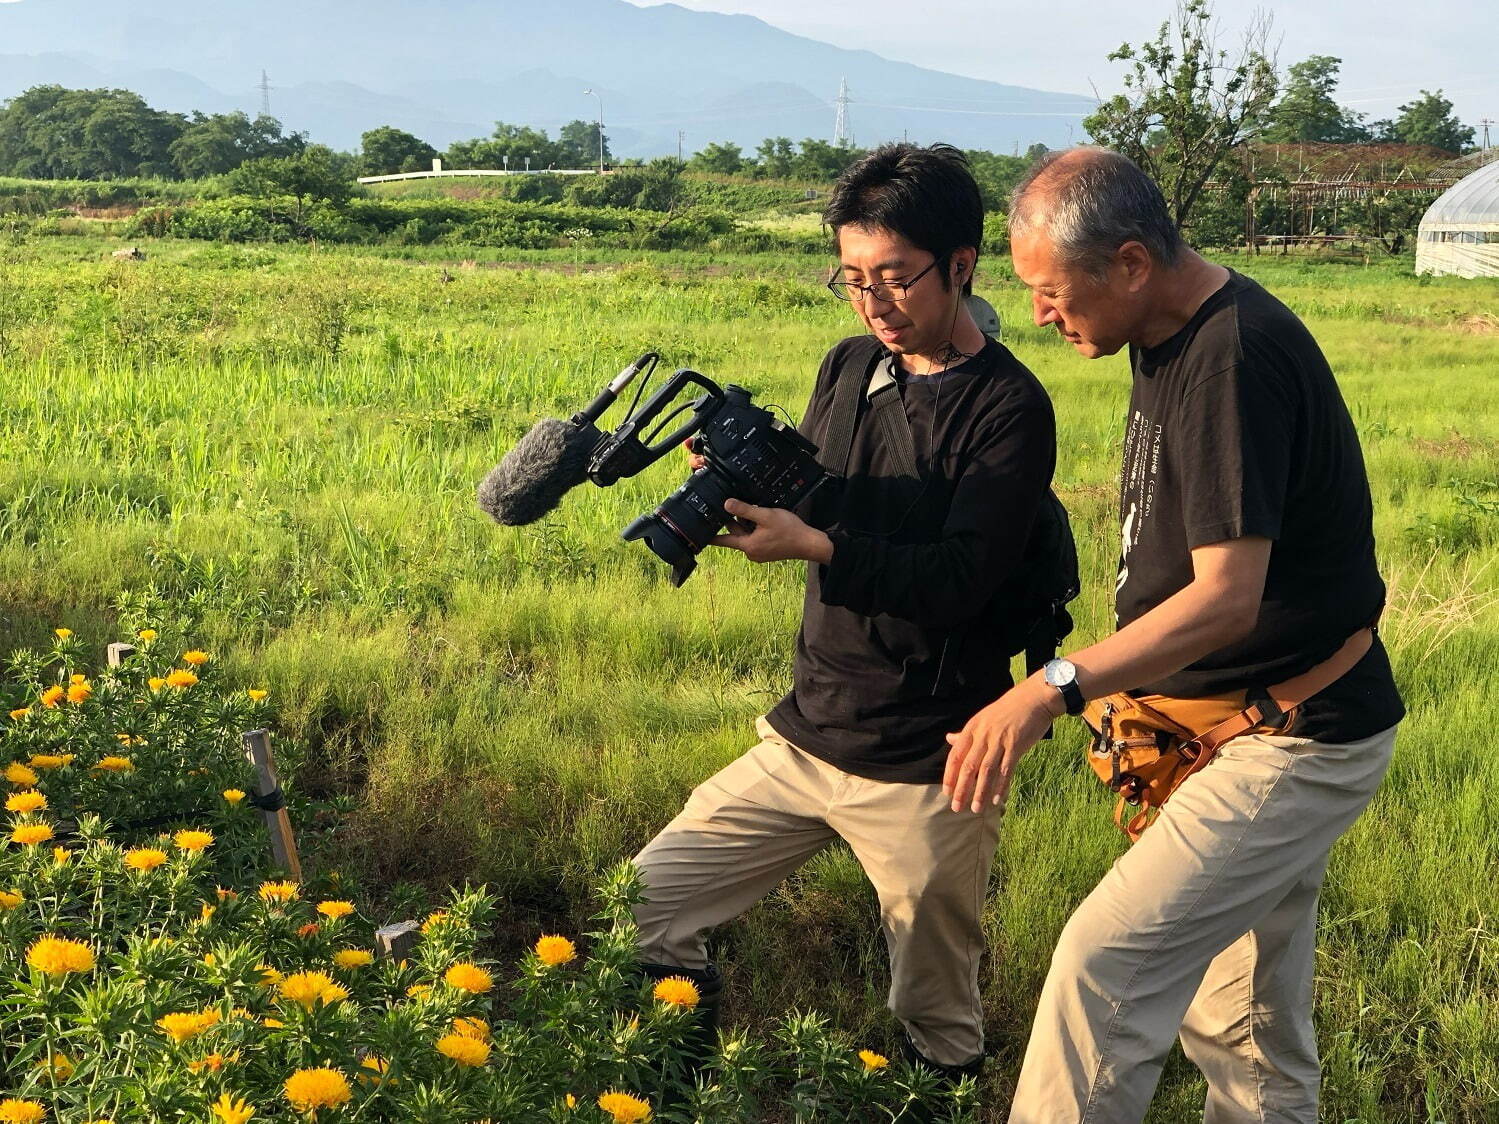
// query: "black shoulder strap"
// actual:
[[884, 394], [839, 439]]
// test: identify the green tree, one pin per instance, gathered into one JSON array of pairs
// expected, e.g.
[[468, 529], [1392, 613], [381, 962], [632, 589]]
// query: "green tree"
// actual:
[[1187, 104], [578, 145], [387, 150], [997, 175], [316, 173], [517, 142], [720, 157], [213, 144], [51, 132], [1307, 112], [819, 160], [774, 158], [1430, 120]]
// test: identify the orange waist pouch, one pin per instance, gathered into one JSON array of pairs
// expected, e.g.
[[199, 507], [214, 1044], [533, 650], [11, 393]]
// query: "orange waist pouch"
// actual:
[[1144, 748]]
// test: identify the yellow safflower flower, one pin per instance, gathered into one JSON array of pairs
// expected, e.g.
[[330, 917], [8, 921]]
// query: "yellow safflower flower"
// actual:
[[873, 1061], [180, 678], [434, 920], [274, 1024], [311, 1089], [179, 1026], [463, 1049], [146, 634], [52, 697], [570, 1100], [234, 795], [195, 657], [49, 760], [231, 1111], [57, 956], [10, 899], [23, 802], [554, 951], [63, 633], [677, 991], [257, 695], [471, 1026], [353, 958], [417, 990], [20, 775], [61, 1066], [13, 1111], [61, 855], [65, 758], [114, 763], [212, 1062], [466, 976], [378, 1068], [269, 977], [311, 988], [156, 683], [19, 713], [144, 858], [189, 840], [30, 834], [79, 692], [335, 909], [625, 1108], [277, 891]]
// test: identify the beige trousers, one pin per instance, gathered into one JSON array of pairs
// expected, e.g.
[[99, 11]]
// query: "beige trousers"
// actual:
[[1205, 928], [749, 826]]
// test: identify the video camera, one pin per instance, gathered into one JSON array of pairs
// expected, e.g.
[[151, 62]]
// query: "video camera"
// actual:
[[749, 455]]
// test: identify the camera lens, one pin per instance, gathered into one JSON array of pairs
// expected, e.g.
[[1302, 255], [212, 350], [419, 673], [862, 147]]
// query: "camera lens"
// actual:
[[665, 543]]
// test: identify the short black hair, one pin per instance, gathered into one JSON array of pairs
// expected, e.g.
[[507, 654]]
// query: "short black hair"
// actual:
[[927, 195]]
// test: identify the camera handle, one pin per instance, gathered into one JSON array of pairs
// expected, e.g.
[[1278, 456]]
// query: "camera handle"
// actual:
[[623, 453]]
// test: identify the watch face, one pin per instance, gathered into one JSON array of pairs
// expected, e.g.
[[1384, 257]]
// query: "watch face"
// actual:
[[1060, 673]]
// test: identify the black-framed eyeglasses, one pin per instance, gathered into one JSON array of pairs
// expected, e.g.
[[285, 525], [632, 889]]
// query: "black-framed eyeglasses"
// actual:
[[880, 290]]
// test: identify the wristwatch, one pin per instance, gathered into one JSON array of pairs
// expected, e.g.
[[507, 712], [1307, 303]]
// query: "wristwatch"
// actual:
[[1061, 674]]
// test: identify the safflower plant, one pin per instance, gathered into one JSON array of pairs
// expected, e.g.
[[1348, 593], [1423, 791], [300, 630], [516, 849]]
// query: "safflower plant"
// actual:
[[166, 972]]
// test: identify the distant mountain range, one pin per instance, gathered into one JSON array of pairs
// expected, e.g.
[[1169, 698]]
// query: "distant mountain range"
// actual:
[[448, 69]]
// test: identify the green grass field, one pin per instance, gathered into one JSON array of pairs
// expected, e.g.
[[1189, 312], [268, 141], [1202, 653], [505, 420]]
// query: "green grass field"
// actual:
[[283, 444]]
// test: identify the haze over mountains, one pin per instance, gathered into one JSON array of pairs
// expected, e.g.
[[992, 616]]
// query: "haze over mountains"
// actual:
[[448, 69]]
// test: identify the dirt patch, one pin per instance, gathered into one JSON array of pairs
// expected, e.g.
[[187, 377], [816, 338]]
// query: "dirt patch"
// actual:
[[121, 211], [1454, 445], [1480, 324]]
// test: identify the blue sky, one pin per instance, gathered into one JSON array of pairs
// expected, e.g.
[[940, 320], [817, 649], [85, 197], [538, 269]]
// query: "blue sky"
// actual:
[[1389, 50]]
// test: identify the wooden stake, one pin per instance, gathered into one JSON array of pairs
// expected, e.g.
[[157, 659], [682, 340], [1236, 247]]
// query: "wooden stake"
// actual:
[[397, 940], [118, 652], [278, 823]]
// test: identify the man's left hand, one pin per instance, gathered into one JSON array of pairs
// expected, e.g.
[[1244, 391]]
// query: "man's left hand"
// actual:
[[985, 752], [775, 535]]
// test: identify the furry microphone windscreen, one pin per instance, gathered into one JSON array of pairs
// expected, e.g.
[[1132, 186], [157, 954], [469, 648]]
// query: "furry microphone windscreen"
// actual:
[[543, 467]]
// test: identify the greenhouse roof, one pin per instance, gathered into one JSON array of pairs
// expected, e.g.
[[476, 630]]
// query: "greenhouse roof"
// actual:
[[1474, 199]]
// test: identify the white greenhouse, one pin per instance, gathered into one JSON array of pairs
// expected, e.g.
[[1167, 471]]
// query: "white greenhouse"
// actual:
[[1460, 232]]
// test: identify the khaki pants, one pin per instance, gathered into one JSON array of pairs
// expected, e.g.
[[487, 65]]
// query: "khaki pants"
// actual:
[[745, 829], [1206, 928]]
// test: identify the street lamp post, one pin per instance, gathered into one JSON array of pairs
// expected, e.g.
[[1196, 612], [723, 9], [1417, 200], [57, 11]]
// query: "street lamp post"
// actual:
[[600, 96]]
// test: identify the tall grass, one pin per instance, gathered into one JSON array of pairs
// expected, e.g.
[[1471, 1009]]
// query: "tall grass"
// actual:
[[284, 444]]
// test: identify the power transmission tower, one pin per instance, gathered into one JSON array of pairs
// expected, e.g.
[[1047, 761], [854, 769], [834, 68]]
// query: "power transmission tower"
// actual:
[[841, 133], [1485, 122], [265, 94], [681, 136]]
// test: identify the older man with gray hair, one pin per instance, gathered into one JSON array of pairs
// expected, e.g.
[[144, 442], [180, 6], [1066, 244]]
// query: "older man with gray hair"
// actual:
[[1246, 590]]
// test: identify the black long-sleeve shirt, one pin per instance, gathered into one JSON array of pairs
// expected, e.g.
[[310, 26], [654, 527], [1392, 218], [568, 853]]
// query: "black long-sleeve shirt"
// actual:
[[897, 644]]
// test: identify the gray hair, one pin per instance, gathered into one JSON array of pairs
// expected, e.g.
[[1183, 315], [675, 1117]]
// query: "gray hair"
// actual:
[[1091, 201]]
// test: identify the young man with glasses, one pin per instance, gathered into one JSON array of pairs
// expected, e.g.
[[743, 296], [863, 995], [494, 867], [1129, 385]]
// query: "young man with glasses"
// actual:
[[912, 562]]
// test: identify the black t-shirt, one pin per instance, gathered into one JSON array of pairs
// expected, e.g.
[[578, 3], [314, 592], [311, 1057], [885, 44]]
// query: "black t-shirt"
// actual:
[[895, 648], [1237, 428]]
